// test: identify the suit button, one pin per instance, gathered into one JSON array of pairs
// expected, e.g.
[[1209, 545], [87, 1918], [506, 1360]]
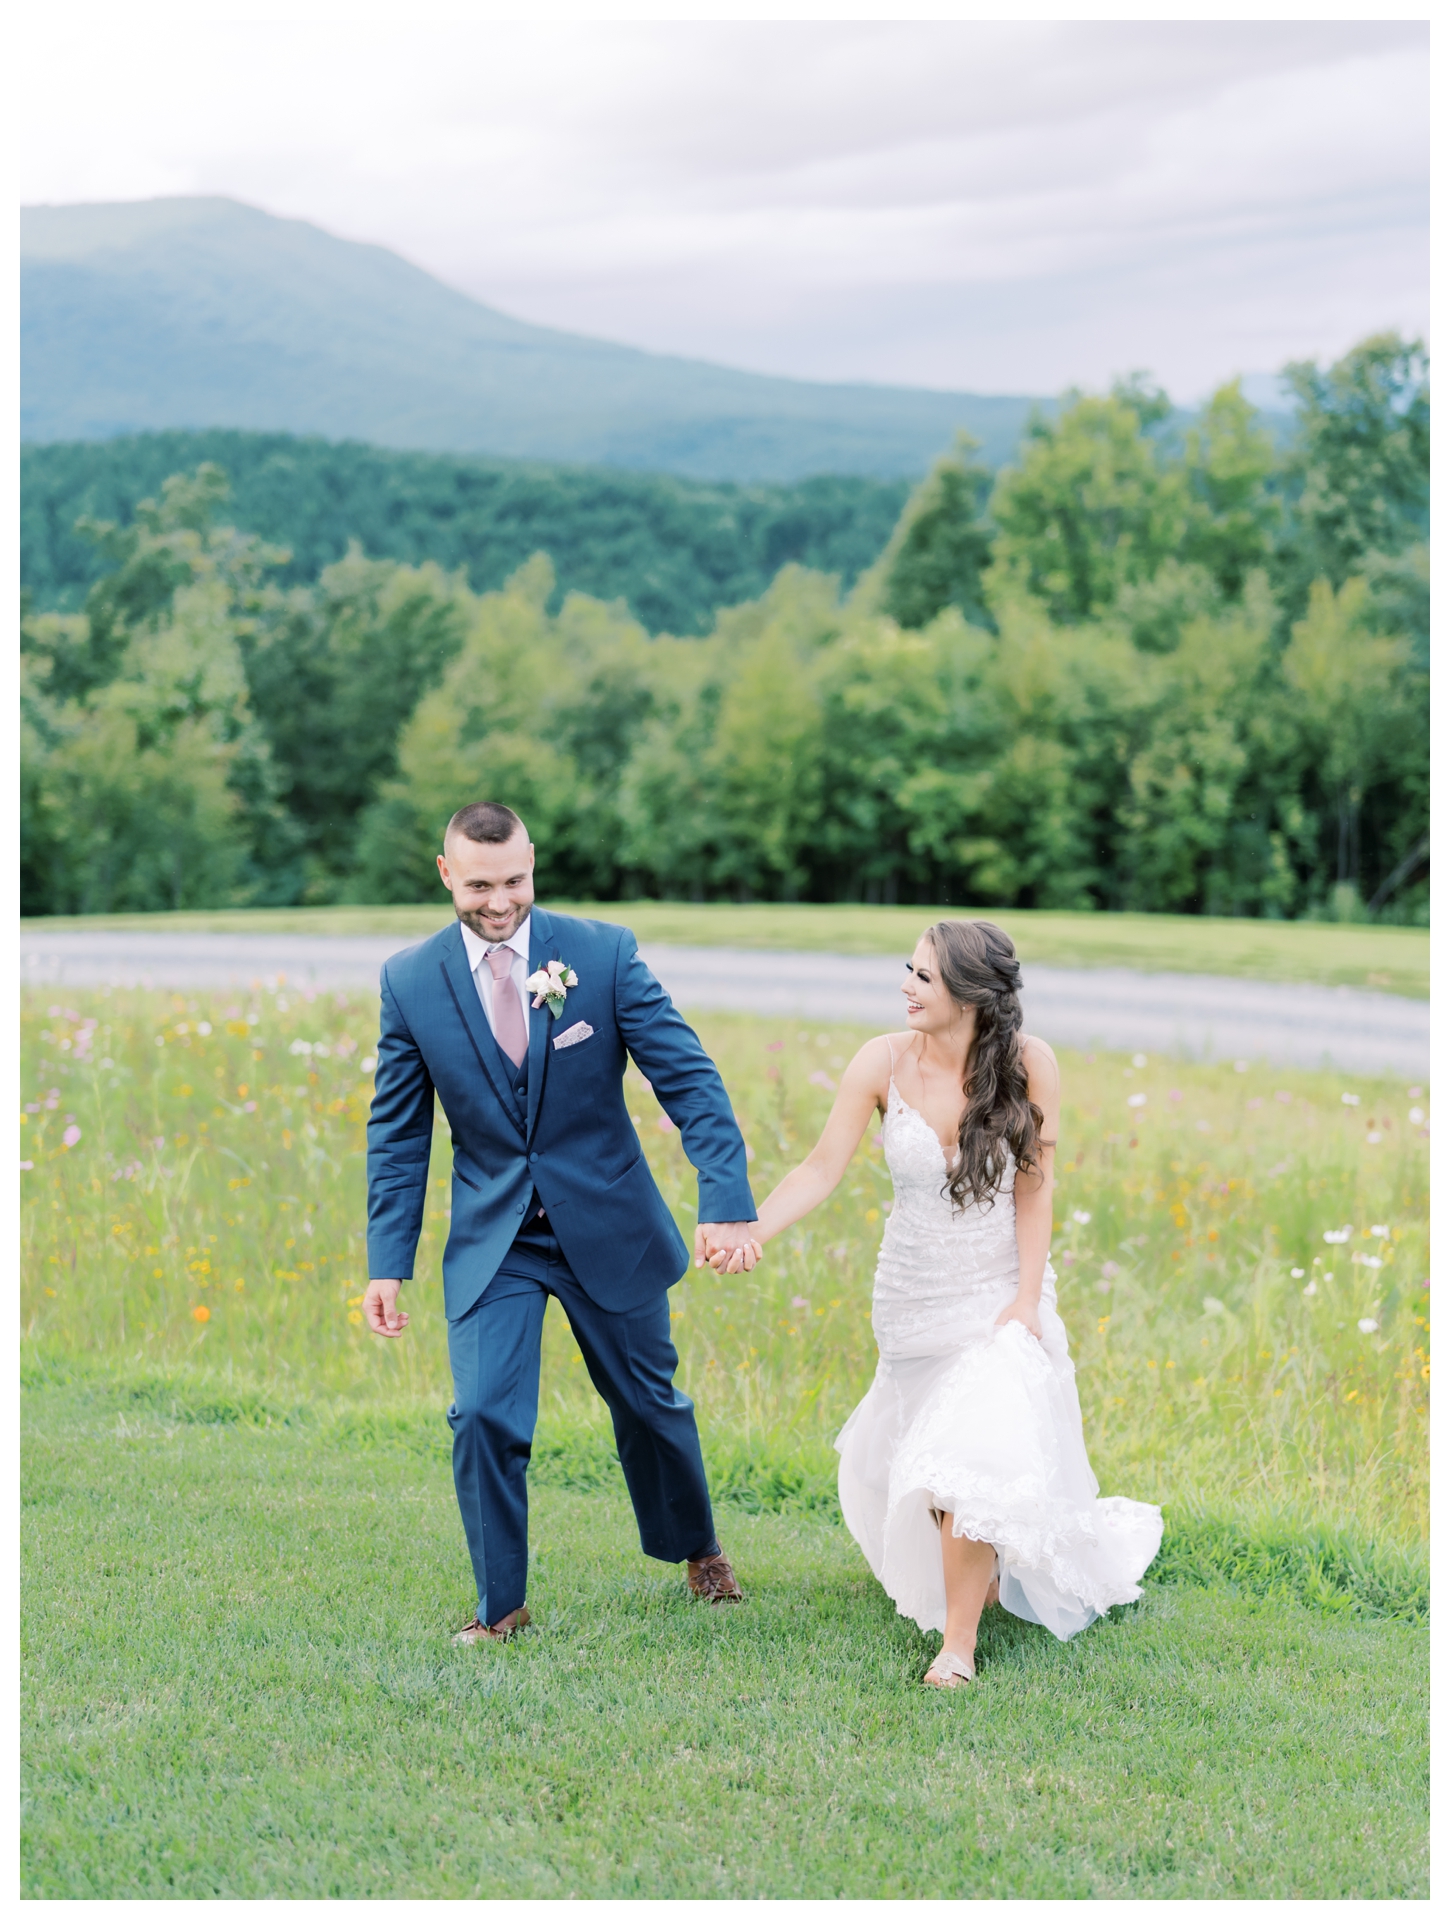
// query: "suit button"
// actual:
[[518, 1209], [533, 1156]]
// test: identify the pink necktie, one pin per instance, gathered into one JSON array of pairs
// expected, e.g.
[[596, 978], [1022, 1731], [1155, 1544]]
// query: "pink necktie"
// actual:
[[508, 1015]]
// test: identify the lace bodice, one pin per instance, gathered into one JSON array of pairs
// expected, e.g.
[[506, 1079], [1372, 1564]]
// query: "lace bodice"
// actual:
[[943, 1273]]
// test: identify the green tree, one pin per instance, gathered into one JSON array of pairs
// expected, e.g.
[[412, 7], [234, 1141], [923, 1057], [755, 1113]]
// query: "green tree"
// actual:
[[1229, 463], [334, 673], [669, 827], [903, 737], [146, 779], [1349, 682], [131, 789], [503, 724], [1153, 613], [942, 544], [1089, 507], [1057, 713], [1189, 798], [1360, 462], [765, 752]]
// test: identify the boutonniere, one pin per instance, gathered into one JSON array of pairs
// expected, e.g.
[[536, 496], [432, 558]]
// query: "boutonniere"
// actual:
[[551, 984]]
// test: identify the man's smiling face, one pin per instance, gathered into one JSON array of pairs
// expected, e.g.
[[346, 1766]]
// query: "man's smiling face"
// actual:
[[492, 883]]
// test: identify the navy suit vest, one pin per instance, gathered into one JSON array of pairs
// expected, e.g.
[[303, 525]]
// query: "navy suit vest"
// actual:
[[515, 1078]]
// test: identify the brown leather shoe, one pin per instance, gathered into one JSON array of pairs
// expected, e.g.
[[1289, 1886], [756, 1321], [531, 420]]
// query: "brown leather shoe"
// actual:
[[712, 1579], [475, 1633]]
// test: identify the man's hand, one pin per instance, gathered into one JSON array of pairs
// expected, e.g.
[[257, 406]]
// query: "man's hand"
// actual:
[[380, 1309], [728, 1245]]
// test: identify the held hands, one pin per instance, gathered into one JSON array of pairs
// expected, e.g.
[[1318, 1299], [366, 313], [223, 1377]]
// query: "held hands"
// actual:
[[1024, 1311], [380, 1309], [728, 1245]]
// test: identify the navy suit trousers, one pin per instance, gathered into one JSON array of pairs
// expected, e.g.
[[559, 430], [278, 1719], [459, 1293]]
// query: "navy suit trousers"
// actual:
[[494, 1353]]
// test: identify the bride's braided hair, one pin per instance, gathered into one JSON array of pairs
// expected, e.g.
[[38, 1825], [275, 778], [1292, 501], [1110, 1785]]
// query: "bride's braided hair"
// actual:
[[978, 967]]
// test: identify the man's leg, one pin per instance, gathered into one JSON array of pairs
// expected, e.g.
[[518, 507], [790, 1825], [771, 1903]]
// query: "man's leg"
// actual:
[[632, 1360], [494, 1353]]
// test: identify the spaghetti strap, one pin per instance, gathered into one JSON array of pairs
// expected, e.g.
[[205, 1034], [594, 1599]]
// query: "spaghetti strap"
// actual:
[[892, 1051]]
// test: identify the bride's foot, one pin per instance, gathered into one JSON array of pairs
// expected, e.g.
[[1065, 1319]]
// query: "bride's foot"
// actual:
[[949, 1670]]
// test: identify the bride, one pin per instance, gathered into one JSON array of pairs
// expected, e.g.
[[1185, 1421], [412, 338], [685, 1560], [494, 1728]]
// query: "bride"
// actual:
[[963, 1472]]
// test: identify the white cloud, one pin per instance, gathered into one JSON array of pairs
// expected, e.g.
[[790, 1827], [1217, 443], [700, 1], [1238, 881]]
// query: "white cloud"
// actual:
[[997, 206]]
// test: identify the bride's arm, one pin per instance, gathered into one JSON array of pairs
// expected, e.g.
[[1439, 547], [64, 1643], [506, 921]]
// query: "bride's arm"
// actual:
[[1033, 1191], [862, 1095]]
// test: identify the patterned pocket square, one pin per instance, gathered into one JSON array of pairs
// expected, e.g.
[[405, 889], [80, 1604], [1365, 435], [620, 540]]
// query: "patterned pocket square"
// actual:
[[581, 1030]]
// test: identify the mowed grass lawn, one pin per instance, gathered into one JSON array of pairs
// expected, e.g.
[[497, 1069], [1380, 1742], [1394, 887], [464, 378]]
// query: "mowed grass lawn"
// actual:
[[243, 1562], [1383, 959], [240, 1683]]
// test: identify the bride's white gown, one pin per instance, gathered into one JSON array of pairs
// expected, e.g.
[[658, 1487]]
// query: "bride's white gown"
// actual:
[[976, 1420]]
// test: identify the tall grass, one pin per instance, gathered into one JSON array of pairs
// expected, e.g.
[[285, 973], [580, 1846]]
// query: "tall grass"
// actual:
[[194, 1206]]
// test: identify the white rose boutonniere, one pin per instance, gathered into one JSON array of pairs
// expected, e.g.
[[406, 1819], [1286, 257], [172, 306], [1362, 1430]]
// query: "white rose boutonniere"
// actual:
[[550, 985]]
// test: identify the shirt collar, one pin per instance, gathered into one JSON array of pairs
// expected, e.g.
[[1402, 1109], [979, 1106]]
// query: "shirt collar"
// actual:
[[476, 948]]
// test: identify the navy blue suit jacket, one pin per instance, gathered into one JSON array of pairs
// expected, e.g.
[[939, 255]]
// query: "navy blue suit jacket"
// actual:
[[575, 1145]]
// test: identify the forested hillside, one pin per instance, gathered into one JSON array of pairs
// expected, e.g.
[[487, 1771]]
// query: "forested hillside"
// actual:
[[675, 550], [1138, 668]]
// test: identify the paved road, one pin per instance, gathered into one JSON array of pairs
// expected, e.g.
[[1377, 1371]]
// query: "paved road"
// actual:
[[1200, 1016]]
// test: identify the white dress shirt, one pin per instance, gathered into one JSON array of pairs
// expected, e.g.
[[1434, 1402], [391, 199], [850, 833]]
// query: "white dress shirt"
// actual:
[[518, 944]]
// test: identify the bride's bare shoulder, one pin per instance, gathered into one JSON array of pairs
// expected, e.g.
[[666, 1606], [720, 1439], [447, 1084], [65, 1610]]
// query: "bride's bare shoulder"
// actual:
[[872, 1064], [1037, 1055]]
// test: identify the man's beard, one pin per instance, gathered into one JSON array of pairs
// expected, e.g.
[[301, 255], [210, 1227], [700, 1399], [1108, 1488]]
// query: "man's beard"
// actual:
[[476, 924]]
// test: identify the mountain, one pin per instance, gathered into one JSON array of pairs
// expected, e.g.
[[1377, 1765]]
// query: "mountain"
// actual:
[[194, 313]]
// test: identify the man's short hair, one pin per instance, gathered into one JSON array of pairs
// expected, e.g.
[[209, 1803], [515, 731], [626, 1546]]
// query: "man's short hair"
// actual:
[[487, 821]]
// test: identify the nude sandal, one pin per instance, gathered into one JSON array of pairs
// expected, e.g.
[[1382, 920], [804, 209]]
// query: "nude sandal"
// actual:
[[948, 1670]]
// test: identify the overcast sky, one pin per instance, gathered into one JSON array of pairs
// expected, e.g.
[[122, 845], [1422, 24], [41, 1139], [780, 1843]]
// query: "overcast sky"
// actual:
[[1003, 208]]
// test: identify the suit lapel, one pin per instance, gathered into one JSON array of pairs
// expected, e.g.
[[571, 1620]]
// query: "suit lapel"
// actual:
[[465, 993], [540, 949]]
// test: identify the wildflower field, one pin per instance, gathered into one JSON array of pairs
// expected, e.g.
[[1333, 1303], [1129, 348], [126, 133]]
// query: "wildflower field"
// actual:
[[242, 1557]]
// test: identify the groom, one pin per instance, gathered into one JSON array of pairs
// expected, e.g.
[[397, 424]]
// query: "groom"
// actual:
[[551, 1195]]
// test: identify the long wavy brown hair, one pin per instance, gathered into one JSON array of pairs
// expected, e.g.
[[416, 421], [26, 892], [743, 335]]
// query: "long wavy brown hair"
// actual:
[[978, 967]]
